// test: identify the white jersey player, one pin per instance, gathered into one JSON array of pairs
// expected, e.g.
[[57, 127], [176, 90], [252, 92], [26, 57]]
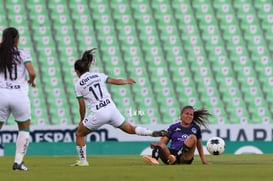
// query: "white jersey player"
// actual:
[[91, 89], [16, 73], [17, 79]]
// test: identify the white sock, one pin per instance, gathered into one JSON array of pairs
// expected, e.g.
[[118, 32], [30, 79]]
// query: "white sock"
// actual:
[[82, 153], [143, 131], [21, 146]]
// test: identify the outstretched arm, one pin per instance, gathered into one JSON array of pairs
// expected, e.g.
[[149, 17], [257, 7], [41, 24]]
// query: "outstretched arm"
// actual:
[[120, 81]]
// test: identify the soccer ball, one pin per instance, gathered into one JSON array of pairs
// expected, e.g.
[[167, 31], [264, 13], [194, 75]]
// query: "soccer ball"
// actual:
[[216, 145]]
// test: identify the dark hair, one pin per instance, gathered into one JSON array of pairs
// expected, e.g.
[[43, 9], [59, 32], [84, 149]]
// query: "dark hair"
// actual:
[[200, 116], [83, 64], [9, 53]]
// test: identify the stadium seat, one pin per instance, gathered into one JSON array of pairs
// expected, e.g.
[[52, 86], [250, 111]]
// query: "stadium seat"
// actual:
[[265, 16], [171, 45], [134, 61], [211, 54], [82, 21], [153, 56], [114, 55], [2, 18]]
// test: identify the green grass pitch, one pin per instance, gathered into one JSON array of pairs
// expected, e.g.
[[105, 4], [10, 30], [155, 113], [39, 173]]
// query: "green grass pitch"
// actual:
[[131, 168]]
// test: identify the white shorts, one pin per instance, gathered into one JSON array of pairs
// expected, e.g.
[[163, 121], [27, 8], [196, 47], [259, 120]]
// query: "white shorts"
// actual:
[[105, 115], [15, 102]]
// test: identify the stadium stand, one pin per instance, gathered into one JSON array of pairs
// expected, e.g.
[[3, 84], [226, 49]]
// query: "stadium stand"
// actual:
[[154, 59], [111, 55], [213, 54]]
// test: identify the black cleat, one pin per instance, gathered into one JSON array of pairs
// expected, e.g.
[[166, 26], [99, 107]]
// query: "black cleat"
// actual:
[[159, 133], [20, 166]]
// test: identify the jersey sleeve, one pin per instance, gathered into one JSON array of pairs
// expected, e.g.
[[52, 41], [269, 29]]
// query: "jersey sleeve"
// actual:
[[199, 135], [170, 131], [104, 77], [25, 55]]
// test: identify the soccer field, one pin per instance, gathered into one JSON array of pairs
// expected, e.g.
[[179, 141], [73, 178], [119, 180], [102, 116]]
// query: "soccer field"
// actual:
[[131, 168]]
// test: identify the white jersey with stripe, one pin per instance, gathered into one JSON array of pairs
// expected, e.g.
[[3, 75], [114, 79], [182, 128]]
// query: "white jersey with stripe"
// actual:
[[18, 78], [92, 87]]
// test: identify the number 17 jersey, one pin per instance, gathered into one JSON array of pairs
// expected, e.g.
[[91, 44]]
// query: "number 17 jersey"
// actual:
[[92, 87]]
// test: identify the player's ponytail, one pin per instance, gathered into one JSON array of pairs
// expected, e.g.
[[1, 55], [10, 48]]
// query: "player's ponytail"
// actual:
[[82, 65], [201, 116], [8, 50], [88, 57]]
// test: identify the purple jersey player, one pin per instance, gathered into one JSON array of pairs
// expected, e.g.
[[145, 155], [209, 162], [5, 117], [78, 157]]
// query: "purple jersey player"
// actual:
[[184, 137]]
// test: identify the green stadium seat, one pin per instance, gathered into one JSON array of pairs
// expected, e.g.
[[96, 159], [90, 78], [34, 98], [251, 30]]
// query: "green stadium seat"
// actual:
[[116, 67], [209, 54], [265, 15], [265, 76], [249, 23], [66, 44], [38, 107], [111, 52], [81, 18], [197, 57], [259, 114], [17, 18], [161, 82], [133, 59], [2, 17], [185, 16], [238, 115], [53, 66]]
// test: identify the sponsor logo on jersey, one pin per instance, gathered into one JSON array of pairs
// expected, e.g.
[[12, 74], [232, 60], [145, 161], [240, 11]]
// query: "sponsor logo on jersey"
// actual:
[[103, 104], [194, 130], [183, 137], [10, 86], [85, 80], [177, 129]]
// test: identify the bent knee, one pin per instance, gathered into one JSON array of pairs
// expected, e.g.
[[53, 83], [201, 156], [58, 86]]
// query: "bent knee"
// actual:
[[82, 131], [78, 134], [192, 138]]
